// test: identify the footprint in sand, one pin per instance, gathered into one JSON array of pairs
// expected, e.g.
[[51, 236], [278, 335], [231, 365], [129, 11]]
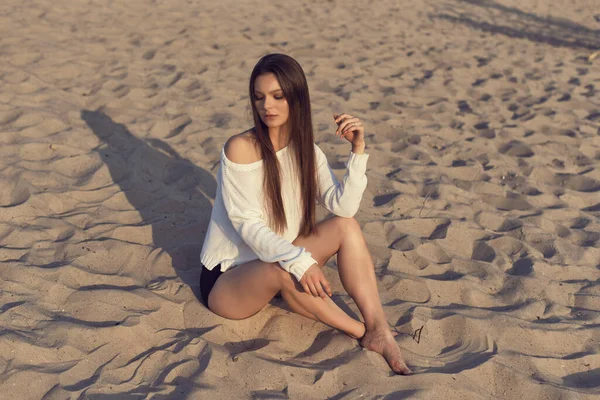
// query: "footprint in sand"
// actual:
[[578, 183], [592, 209], [384, 199], [496, 222], [409, 290], [426, 228], [547, 248], [13, 193], [221, 119], [464, 107], [434, 253], [482, 61], [512, 202], [484, 130], [594, 116], [406, 243], [482, 125], [579, 223], [516, 148], [483, 252], [588, 298], [584, 238], [429, 190], [521, 267]]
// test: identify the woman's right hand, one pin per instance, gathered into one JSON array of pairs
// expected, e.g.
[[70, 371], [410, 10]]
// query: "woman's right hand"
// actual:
[[314, 282]]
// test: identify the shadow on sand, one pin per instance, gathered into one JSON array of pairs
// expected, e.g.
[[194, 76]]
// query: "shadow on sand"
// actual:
[[171, 194], [490, 16]]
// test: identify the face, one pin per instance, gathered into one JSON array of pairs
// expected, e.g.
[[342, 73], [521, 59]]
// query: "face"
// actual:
[[270, 102]]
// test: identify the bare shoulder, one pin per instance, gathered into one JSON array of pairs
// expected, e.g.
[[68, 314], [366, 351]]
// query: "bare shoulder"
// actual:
[[242, 148]]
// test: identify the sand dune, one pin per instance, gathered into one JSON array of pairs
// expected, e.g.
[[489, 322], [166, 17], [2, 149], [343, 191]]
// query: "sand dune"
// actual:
[[482, 210]]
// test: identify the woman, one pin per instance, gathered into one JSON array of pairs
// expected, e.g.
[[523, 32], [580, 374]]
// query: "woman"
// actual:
[[263, 219]]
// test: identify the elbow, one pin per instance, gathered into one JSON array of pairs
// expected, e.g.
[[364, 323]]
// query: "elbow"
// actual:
[[343, 209], [346, 212]]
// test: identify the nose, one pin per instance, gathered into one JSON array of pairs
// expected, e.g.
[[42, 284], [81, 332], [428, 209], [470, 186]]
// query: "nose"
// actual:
[[268, 103]]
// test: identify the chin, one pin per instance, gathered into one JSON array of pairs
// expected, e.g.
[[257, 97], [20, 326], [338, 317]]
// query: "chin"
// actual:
[[272, 124]]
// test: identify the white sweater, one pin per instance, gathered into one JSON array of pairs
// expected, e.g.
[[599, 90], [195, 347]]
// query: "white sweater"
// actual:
[[238, 230]]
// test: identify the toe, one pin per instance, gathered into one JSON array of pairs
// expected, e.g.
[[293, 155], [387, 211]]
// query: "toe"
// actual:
[[402, 369]]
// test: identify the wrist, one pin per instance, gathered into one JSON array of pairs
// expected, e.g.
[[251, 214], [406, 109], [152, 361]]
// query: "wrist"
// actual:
[[358, 148]]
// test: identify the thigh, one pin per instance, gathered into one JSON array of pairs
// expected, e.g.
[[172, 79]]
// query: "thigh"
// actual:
[[244, 290], [325, 242]]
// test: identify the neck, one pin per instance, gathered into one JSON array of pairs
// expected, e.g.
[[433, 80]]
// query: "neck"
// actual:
[[279, 137]]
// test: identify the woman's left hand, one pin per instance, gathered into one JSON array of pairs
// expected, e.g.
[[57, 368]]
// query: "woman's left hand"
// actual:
[[350, 128]]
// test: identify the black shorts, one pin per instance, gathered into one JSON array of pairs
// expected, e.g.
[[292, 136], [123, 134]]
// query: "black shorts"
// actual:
[[208, 278]]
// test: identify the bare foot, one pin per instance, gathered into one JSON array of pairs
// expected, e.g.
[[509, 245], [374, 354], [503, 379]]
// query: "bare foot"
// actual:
[[382, 342]]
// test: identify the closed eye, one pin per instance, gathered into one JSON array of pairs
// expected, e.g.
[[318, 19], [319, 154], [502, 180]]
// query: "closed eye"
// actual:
[[276, 98]]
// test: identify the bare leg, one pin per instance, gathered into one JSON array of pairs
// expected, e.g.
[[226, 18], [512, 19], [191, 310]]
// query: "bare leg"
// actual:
[[261, 281], [357, 274], [246, 289]]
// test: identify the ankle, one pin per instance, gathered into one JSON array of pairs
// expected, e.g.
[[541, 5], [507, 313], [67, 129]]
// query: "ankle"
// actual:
[[377, 326], [357, 333], [363, 332]]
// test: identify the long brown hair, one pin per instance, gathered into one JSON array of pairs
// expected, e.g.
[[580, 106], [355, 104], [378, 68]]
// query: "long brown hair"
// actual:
[[292, 80]]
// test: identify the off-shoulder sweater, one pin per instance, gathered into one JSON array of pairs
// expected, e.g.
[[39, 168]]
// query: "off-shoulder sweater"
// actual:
[[238, 231]]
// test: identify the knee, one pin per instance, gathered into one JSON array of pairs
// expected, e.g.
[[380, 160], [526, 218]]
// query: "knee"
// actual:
[[284, 281], [348, 226], [280, 277]]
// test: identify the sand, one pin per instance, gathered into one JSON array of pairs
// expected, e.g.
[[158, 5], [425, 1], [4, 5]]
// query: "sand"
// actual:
[[482, 209]]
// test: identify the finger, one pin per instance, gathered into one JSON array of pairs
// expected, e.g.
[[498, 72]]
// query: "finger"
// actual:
[[327, 287], [346, 123], [342, 117], [350, 121], [319, 286], [306, 289], [313, 290], [349, 129], [336, 117]]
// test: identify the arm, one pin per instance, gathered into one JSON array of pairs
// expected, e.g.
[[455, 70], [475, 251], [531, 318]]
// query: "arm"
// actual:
[[243, 198], [342, 198]]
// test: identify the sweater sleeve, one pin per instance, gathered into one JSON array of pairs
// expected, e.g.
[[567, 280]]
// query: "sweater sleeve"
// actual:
[[243, 199], [342, 198]]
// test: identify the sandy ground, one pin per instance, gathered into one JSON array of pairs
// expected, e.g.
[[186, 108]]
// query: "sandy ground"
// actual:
[[482, 210]]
